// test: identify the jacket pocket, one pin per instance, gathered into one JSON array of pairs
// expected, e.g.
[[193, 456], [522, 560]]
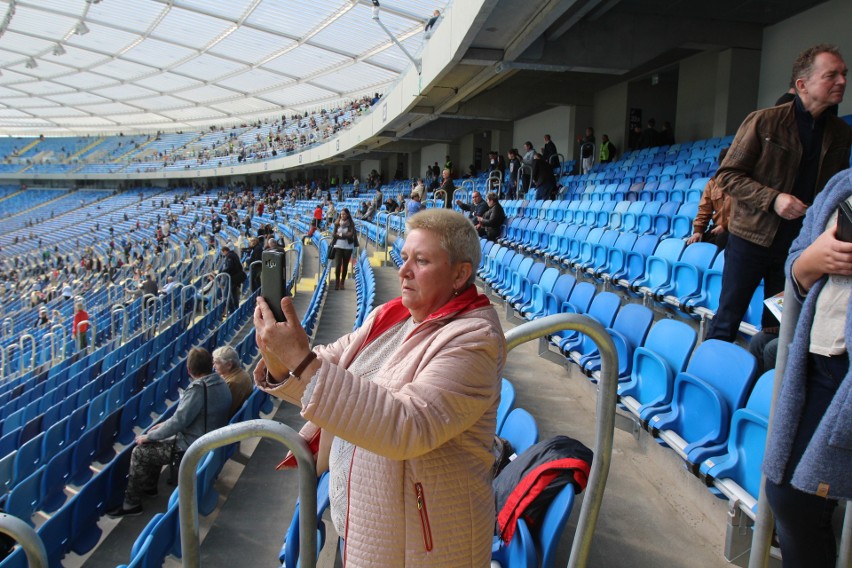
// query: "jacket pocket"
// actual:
[[424, 516]]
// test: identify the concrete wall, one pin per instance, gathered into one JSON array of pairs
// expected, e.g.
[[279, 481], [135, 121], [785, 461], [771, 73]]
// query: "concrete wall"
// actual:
[[610, 116], [558, 122], [826, 23], [434, 153], [366, 167]]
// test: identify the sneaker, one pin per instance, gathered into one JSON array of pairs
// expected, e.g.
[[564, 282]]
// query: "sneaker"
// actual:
[[120, 511]]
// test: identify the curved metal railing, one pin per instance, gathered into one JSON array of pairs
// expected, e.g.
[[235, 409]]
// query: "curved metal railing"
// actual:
[[27, 537], [605, 423], [188, 489]]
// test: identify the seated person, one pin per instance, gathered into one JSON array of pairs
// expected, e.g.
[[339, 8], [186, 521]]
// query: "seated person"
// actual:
[[490, 224], [476, 208], [227, 364], [193, 418]]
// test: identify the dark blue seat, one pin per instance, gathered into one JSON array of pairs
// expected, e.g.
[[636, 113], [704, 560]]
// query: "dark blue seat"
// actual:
[[290, 550], [25, 498], [84, 454], [57, 474], [89, 505], [56, 534], [28, 459]]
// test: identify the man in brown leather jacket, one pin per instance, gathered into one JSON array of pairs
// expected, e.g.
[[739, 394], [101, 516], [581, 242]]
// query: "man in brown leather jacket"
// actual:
[[780, 159]]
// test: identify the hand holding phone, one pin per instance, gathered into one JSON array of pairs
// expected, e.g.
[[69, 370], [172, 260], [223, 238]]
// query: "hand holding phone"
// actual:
[[844, 222], [272, 277]]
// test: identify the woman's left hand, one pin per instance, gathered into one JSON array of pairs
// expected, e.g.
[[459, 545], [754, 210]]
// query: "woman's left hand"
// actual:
[[283, 344]]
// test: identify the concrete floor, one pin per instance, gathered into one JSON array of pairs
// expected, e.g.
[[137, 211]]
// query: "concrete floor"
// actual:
[[654, 512]]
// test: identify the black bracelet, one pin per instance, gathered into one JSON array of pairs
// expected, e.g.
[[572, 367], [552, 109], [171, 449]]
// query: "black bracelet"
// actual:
[[300, 368]]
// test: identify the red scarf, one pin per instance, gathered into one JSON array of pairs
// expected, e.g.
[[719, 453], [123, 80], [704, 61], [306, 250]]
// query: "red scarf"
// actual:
[[394, 312]]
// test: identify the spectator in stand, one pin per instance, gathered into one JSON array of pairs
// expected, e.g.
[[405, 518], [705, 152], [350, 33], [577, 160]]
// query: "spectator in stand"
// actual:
[[667, 134], [414, 204], [808, 456], [370, 215], [476, 208], [449, 187], [234, 269], [715, 205], [149, 286], [543, 178], [343, 242], [448, 165], [490, 224], [430, 23], [772, 185], [587, 149], [607, 150], [255, 256], [635, 137], [43, 318], [202, 407], [549, 153], [514, 171], [419, 188], [80, 325], [227, 364], [650, 137], [403, 407], [330, 213]]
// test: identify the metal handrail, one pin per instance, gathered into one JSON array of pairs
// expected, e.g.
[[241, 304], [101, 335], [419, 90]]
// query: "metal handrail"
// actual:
[[297, 266], [387, 231], [8, 354], [147, 301], [27, 336], [605, 424], [116, 309], [48, 341], [62, 334], [27, 537], [464, 192], [223, 283], [495, 175], [2, 363], [187, 293], [520, 176], [8, 327], [442, 191], [188, 490]]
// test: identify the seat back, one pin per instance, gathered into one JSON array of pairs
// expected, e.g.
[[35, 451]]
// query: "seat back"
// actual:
[[727, 367], [520, 429], [673, 341], [507, 402], [553, 524]]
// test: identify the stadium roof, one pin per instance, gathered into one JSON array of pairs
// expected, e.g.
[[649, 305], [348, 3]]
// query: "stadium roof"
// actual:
[[109, 66]]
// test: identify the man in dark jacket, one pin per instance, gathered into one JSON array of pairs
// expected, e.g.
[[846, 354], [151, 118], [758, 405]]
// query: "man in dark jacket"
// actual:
[[232, 266], [543, 178], [780, 159], [475, 209], [490, 224], [202, 407], [255, 255]]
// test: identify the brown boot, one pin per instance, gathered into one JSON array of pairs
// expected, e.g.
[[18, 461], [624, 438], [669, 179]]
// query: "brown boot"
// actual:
[[343, 285], [337, 284]]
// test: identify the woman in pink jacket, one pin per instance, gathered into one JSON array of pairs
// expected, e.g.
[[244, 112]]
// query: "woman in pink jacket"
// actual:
[[406, 404]]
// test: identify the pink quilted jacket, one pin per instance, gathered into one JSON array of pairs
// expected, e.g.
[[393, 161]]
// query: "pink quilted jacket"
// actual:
[[420, 486]]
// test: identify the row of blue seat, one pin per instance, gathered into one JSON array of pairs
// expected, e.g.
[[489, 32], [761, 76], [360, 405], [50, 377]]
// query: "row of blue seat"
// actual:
[[685, 395]]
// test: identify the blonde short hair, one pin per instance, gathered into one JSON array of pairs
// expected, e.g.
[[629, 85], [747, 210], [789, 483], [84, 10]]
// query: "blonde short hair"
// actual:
[[455, 233]]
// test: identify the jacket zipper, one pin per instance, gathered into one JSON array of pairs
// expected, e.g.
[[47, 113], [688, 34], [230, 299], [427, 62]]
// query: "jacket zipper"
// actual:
[[424, 516]]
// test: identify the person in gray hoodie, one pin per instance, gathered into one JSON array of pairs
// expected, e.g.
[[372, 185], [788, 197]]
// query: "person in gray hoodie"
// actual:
[[204, 406]]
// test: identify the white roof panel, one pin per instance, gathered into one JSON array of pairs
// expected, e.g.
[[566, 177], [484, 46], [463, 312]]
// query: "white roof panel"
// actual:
[[171, 64]]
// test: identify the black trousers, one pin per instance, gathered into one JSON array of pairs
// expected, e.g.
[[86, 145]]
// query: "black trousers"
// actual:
[[341, 263], [803, 520], [746, 264]]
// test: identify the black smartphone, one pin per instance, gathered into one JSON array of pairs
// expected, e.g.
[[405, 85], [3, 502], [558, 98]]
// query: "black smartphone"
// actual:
[[844, 222], [273, 276]]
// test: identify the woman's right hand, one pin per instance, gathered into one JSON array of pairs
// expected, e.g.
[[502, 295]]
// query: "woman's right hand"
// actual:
[[694, 238]]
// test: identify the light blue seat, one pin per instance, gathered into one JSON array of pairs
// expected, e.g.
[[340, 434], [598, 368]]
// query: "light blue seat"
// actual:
[[687, 273], [664, 354], [715, 384], [658, 267], [553, 524], [289, 555], [633, 267], [536, 306], [577, 303], [603, 309], [628, 332], [742, 461], [507, 402], [519, 553], [520, 429]]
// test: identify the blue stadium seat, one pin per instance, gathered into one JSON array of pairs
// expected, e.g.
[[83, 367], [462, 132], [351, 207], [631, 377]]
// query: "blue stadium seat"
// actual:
[[25, 498], [289, 555], [715, 384], [549, 534], [664, 354], [628, 332], [507, 402], [57, 474], [603, 309], [520, 552], [520, 429]]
